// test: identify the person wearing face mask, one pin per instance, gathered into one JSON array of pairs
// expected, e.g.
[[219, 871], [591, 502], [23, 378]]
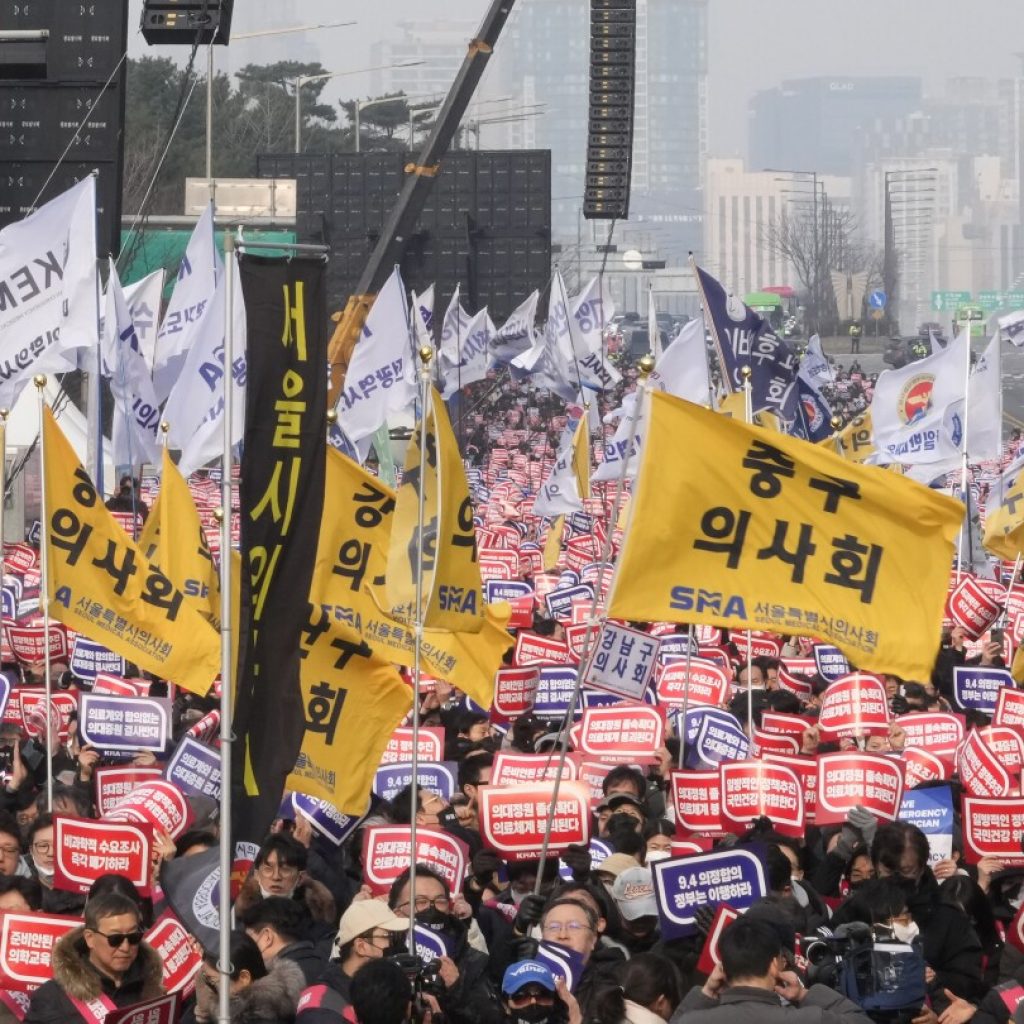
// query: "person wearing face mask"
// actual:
[[469, 994], [368, 931], [434, 812], [633, 893], [531, 994], [658, 834], [277, 925], [40, 848]]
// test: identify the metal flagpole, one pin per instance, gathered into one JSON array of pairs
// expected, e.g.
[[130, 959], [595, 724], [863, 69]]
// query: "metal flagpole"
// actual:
[[646, 367], [227, 669], [426, 353], [963, 460], [748, 412], [686, 692], [44, 587]]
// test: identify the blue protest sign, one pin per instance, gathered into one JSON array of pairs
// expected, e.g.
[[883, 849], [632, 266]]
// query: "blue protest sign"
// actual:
[[430, 945], [195, 768], [5, 693], [326, 818], [506, 590], [831, 662], [978, 687], [438, 776], [555, 686], [562, 961], [89, 658], [580, 522], [675, 645], [560, 601], [599, 851], [124, 723], [8, 603], [695, 716], [718, 740], [931, 810], [682, 885]]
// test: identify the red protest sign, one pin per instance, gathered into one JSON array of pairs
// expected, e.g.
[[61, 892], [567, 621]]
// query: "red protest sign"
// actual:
[[85, 849], [709, 957], [514, 689], [162, 1010], [521, 615], [806, 769], [119, 686], [789, 681], [532, 649], [26, 941], [980, 772], [497, 564], [624, 732], [513, 818], [158, 803], [1005, 742], [696, 797], [28, 642], [971, 608], [846, 780], [20, 558], [705, 683], [784, 725], [800, 666], [399, 748], [750, 789], [113, 784], [773, 743], [938, 732], [855, 705], [716, 655], [1009, 707], [178, 954], [922, 766], [992, 828], [386, 850], [762, 645], [592, 775], [576, 635], [992, 588], [512, 769], [33, 711]]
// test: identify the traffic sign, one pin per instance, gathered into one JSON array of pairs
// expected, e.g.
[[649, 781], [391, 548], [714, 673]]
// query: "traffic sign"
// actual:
[[876, 300], [991, 300], [1015, 300], [949, 300], [877, 314]]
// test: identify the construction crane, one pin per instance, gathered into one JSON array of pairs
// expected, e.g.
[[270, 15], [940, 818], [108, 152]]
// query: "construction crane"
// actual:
[[419, 179]]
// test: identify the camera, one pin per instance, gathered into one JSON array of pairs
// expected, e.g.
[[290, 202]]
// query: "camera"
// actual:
[[425, 978], [6, 759], [826, 953]]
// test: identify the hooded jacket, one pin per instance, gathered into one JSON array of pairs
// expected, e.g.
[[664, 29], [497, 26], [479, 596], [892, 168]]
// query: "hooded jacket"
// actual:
[[270, 1000], [75, 977]]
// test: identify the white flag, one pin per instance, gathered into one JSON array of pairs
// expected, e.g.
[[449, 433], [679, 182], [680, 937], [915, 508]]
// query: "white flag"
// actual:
[[1011, 327], [516, 335], [475, 359], [423, 316], [682, 371], [985, 405], [195, 408], [592, 309], [49, 293], [198, 277], [918, 411], [136, 416], [453, 330], [381, 379], [143, 299], [560, 494], [815, 367], [653, 331]]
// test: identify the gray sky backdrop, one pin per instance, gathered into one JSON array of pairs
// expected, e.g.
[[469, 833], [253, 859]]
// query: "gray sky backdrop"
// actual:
[[753, 44]]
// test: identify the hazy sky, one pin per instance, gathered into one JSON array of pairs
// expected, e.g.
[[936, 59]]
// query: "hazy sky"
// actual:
[[753, 44]]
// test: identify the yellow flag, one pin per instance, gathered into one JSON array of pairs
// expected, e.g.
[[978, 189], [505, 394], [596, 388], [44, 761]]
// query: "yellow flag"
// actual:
[[348, 582], [759, 530], [553, 543], [452, 590], [354, 699], [1004, 523], [855, 442], [735, 406], [101, 584], [174, 540], [581, 457]]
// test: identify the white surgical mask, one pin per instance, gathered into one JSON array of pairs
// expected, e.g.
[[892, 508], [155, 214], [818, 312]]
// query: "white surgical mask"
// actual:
[[905, 932], [653, 855]]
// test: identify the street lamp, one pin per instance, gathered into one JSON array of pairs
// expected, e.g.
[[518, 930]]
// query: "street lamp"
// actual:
[[209, 77], [302, 80], [361, 105], [504, 117]]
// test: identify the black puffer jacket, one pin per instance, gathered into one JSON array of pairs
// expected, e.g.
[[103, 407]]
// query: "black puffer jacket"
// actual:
[[271, 1000], [75, 977]]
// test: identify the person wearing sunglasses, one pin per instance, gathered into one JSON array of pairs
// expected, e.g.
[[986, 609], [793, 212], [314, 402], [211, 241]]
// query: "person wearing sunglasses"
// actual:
[[104, 963], [531, 994]]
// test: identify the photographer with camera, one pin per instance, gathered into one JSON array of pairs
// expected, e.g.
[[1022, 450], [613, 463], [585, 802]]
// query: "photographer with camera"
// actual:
[[383, 994], [468, 995], [752, 985]]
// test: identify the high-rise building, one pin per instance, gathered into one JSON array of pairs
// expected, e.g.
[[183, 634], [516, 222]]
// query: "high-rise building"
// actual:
[[813, 123]]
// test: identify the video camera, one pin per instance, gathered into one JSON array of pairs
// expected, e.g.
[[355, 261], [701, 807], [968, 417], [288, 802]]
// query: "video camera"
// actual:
[[425, 978]]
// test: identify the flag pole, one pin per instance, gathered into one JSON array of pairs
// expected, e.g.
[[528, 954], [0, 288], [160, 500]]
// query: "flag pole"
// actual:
[[224, 966], [4, 413], [646, 367], [426, 354], [44, 589], [748, 412], [686, 691], [965, 528]]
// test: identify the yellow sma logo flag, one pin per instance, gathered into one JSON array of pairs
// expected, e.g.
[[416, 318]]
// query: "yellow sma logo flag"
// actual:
[[1004, 523], [174, 541], [452, 590], [100, 584], [755, 529]]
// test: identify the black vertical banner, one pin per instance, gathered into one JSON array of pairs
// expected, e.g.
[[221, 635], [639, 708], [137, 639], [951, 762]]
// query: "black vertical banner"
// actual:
[[281, 497]]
